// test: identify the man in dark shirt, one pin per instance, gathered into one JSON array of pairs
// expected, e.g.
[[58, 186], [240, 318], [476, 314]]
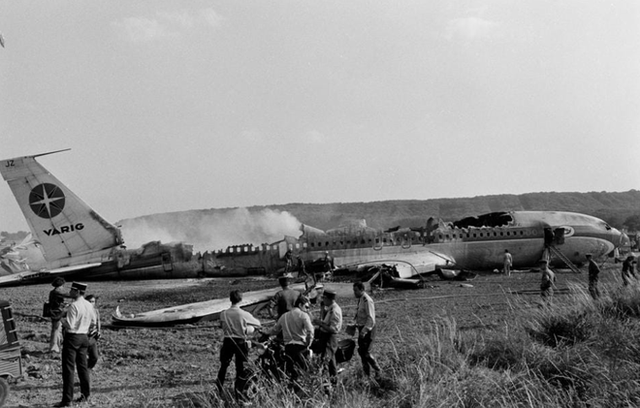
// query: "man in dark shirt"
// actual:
[[628, 270], [594, 270], [284, 300]]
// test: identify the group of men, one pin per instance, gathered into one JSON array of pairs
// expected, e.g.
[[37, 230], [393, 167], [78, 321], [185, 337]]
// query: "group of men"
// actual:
[[628, 273], [297, 329], [78, 325]]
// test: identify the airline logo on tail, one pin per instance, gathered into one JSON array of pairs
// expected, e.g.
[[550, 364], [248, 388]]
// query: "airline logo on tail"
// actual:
[[46, 201]]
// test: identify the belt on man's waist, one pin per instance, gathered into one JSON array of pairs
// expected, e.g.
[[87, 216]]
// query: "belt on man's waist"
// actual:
[[76, 334], [237, 339]]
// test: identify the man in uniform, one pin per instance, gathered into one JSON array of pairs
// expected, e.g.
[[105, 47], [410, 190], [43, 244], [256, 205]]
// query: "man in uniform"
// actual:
[[594, 270], [297, 334], [236, 324], [80, 316], [284, 300], [328, 328], [366, 324]]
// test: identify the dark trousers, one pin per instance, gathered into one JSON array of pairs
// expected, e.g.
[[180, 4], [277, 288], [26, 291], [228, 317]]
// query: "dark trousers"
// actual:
[[593, 289], [296, 361], [240, 349], [93, 353], [328, 344], [365, 342], [74, 356]]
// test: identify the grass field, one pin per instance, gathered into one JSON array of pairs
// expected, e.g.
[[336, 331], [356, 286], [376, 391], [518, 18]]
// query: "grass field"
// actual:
[[448, 345]]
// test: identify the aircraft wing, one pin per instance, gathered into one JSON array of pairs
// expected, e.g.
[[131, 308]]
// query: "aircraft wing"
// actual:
[[412, 264], [34, 277]]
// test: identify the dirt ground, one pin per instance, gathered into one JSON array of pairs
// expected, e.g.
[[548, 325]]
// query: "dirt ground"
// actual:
[[158, 367]]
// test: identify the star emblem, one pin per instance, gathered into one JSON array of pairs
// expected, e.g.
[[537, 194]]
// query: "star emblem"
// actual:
[[46, 200]]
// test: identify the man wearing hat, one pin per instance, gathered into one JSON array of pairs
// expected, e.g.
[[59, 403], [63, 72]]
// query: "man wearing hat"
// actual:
[[328, 328], [80, 316], [594, 270]]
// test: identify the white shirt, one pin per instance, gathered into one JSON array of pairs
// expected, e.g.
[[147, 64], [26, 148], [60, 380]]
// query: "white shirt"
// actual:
[[80, 316], [236, 322]]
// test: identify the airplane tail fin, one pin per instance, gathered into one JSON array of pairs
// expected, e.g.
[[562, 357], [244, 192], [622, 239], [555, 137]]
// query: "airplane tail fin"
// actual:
[[64, 225]]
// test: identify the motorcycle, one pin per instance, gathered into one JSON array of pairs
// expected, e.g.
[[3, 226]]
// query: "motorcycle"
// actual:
[[271, 359]]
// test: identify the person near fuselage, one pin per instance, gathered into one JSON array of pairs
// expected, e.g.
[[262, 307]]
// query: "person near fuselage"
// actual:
[[507, 262], [594, 271]]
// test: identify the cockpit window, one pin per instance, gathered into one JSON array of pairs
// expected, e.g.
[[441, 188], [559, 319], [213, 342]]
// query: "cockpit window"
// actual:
[[607, 226]]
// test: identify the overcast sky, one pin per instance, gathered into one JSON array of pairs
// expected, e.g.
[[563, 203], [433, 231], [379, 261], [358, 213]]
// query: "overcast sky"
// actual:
[[178, 105]]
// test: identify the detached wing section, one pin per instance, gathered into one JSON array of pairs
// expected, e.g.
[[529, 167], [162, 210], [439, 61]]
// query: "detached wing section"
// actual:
[[29, 277], [414, 264]]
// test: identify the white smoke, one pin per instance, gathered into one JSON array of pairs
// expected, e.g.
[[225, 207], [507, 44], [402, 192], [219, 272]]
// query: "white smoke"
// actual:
[[211, 230]]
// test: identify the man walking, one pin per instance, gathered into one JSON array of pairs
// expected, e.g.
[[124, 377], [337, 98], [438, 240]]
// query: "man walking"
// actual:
[[237, 324], [366, 324], [594, 270], [328, 328], [80, 316]]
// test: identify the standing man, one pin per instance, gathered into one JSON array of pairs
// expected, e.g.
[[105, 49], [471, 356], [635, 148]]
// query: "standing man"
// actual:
[[327, 266], [297, 334], [57, 305], [328, 328], [628, 270], [80, 316], [284, 300], [507, 262], [288, 262], [94, 334], [366, 324], [594, 270], [237, 324], [547, 283]]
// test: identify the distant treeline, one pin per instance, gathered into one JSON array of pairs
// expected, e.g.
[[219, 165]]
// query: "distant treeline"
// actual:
[[620, 210]]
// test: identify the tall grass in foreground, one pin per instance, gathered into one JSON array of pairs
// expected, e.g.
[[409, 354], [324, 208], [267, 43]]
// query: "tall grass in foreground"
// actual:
[[575, 353]]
